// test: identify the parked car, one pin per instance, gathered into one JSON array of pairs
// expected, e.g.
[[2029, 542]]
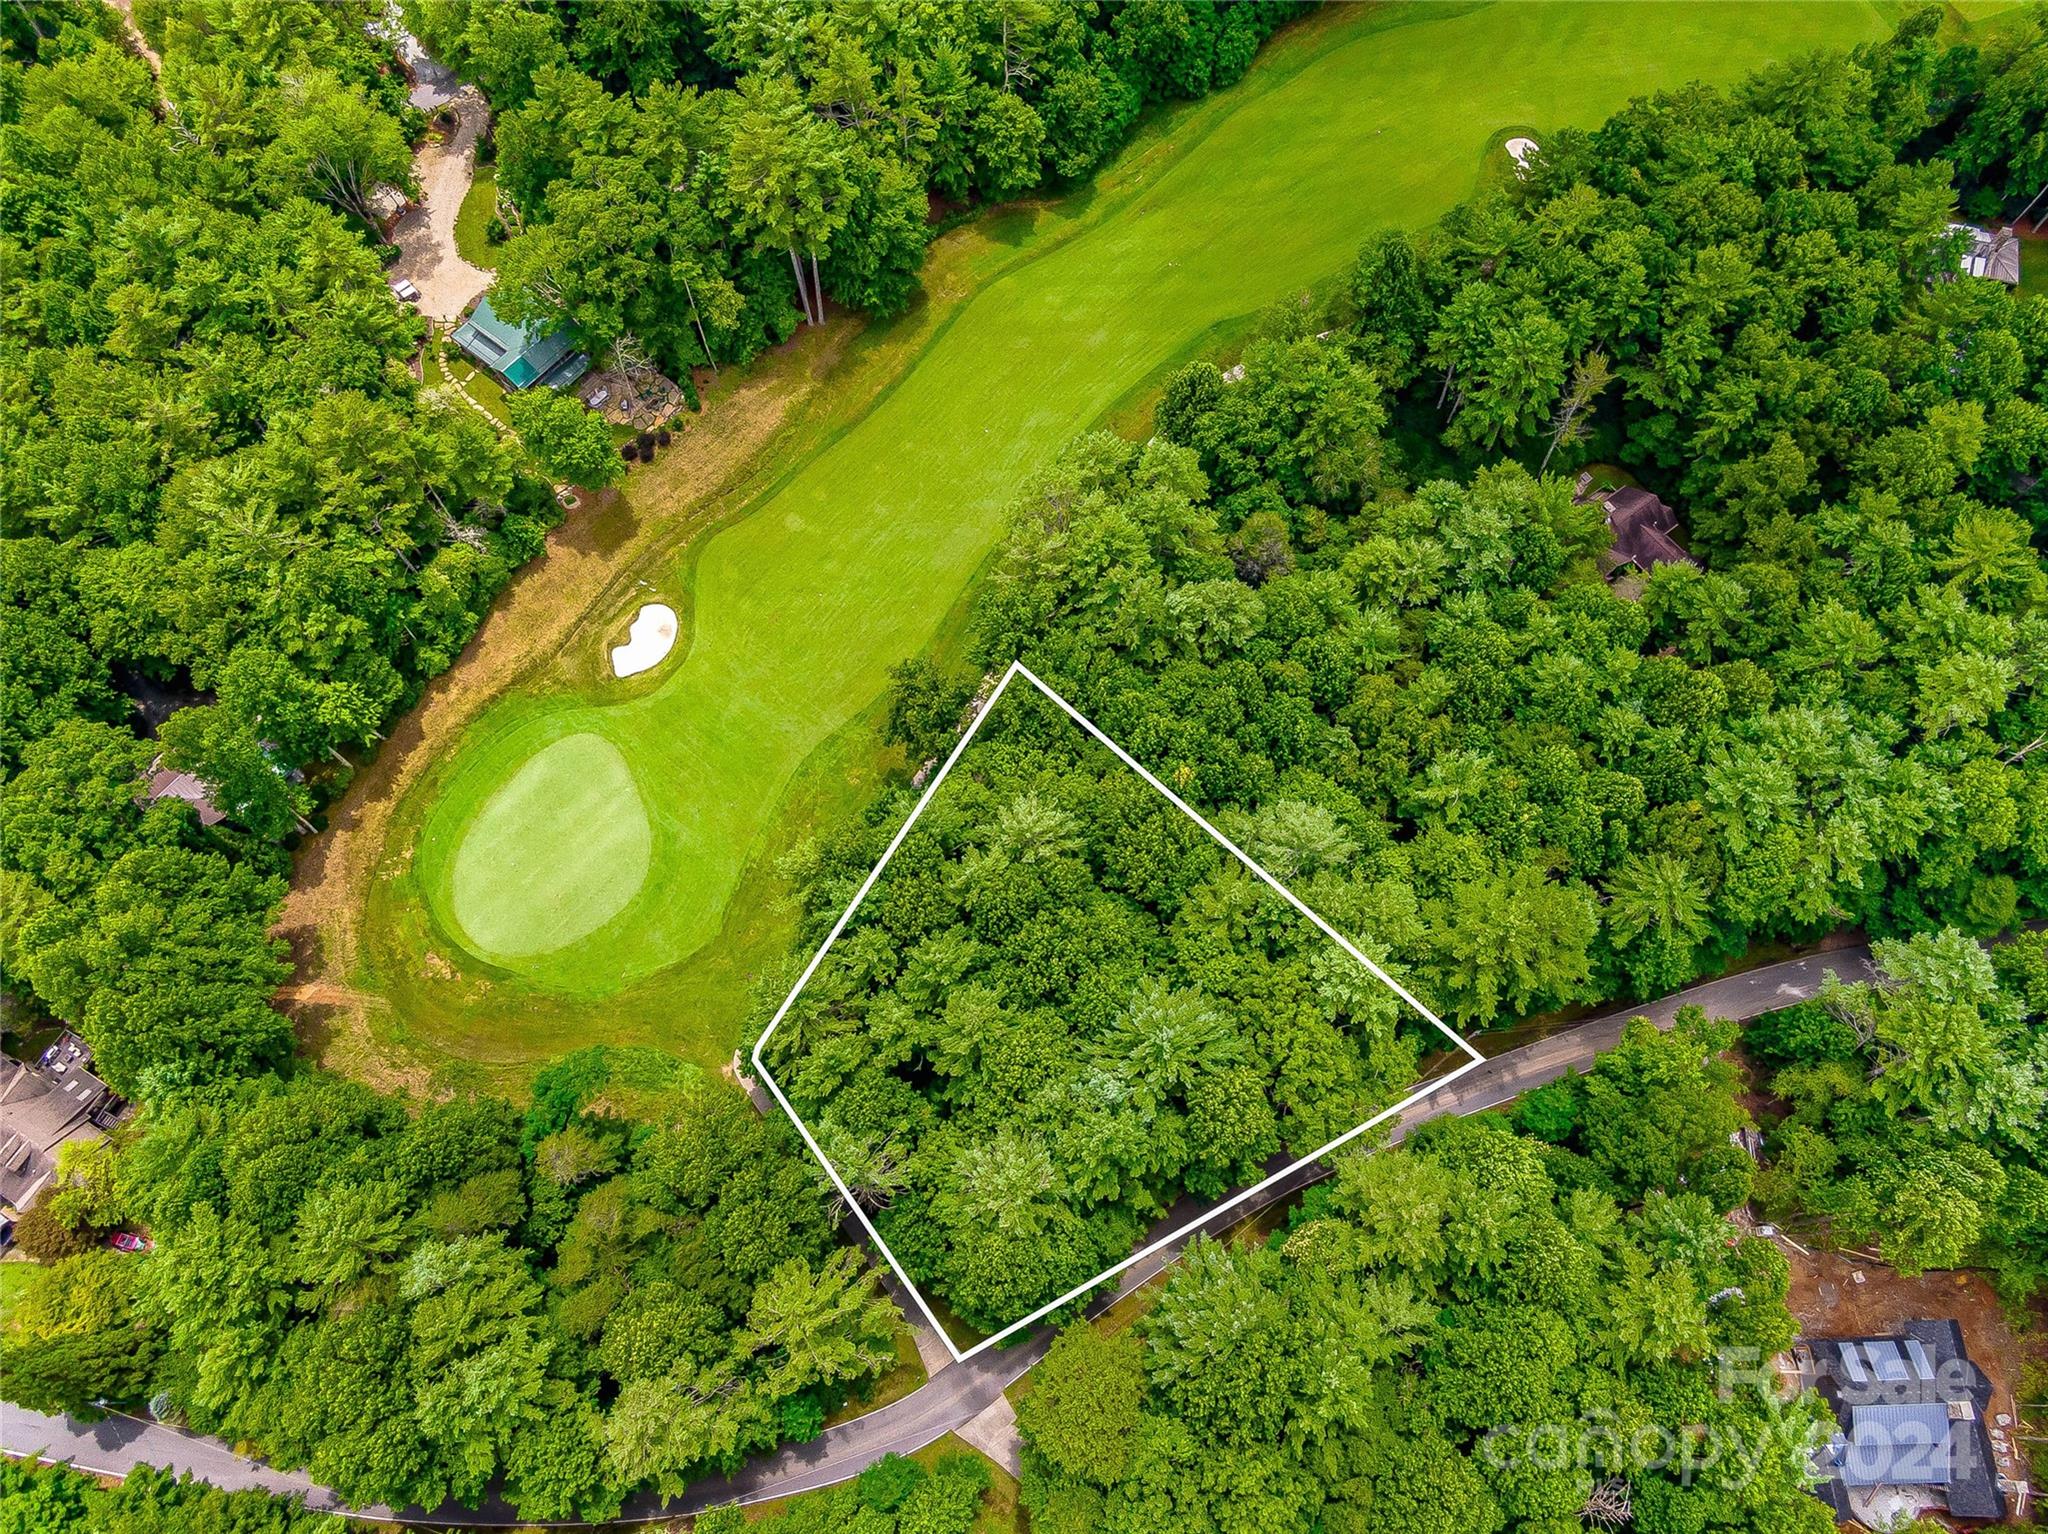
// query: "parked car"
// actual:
[[128, 1241], [6, 1234], [406, 292]]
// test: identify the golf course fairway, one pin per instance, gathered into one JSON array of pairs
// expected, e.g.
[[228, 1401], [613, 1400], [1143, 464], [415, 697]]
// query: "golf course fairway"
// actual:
[[852, 560]]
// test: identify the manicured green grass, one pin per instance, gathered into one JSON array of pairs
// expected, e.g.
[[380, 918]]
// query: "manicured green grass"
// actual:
[[15, 1277], [2034, 266], [444, 364], [479, 205], [554, 853], [482, 387], [852, 560]]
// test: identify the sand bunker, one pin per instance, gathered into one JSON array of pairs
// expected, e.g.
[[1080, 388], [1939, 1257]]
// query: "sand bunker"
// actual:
[[652, 636], [1519, 150]]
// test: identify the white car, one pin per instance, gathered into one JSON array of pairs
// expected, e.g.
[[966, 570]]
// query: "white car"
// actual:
[[406, 292]]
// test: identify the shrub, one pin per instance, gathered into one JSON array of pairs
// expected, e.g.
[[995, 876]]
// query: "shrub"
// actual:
[[43, 1234]]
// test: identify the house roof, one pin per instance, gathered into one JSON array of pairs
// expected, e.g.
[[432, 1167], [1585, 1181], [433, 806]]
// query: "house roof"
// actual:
[[39, 1115], [1896, 1446], [520, 354], [1993, 253], [1883, 1359], [164, 783], [1911, 1405], [1642, 525], [1924, 1361]]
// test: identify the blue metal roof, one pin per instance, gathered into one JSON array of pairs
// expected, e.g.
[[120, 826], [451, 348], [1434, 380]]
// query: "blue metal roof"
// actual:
[[1896, 1446], [1916, 1354], [1886, 1361], [519, 354]]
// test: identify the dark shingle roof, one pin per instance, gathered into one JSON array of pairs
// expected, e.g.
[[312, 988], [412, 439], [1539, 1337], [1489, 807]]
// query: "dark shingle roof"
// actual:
[[1642, 527], [1912, 1410]]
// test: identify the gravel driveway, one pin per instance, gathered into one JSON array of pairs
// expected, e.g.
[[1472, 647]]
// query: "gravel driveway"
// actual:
[[426, 234]]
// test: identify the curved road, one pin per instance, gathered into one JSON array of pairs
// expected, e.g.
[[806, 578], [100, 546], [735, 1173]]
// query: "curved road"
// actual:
[[958, 1393]]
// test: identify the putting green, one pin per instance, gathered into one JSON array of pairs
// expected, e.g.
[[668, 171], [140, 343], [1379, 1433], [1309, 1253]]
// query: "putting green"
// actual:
[[1379, 117], [555, 853]]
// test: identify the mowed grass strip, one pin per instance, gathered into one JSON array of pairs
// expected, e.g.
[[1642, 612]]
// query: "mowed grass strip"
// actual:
[[853, 559], [472, 220]]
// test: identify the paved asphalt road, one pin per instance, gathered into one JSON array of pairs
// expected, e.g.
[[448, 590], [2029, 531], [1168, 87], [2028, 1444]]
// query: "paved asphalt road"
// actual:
[[956, 1394]]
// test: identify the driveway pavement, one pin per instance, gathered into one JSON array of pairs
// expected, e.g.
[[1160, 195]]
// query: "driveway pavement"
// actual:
[[959, 1393], [426, 234]]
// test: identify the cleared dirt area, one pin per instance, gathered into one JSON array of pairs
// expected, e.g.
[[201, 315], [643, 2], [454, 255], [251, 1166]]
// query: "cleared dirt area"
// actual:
[[1839, 1295]]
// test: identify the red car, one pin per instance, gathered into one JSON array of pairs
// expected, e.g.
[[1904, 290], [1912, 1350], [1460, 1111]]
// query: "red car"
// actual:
[[128, 1241]]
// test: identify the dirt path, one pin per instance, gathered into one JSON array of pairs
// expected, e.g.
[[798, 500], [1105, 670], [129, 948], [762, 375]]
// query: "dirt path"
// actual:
[[425, 236], [135, 38], [528, 626]]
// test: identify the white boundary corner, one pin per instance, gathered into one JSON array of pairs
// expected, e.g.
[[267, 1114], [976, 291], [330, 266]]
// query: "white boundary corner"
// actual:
[[1017, 669]]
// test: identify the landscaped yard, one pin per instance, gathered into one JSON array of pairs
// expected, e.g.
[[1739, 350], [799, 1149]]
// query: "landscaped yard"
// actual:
[[479, 205], [14, 1278], [859, 554], [444, 364], [2034, 265]]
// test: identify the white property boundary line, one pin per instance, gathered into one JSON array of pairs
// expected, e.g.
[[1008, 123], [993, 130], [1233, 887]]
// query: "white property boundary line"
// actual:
[[1018, 668]]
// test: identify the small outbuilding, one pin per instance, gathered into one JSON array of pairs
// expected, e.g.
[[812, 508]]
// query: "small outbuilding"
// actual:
[[386, 205], [1992, 253], [168, 783], [520, 356]]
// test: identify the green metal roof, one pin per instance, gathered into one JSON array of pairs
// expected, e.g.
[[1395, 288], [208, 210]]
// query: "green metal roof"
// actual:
[[519, 354]]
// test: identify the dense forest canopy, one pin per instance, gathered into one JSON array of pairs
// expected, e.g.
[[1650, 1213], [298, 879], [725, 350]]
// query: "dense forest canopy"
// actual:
[[1063, 1005], [416, 1304], [703, 177], [222, 488], [1828, 722], [1347, 602], [219, 485], [1476, 1332], [892, 1496], [1485, 1330], [223, 493], [1917, 1106], [1831, 720], [1516, 785], [49, 1499]]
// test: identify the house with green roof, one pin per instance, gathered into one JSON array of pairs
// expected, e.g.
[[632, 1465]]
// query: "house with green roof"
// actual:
[[519, 355]]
